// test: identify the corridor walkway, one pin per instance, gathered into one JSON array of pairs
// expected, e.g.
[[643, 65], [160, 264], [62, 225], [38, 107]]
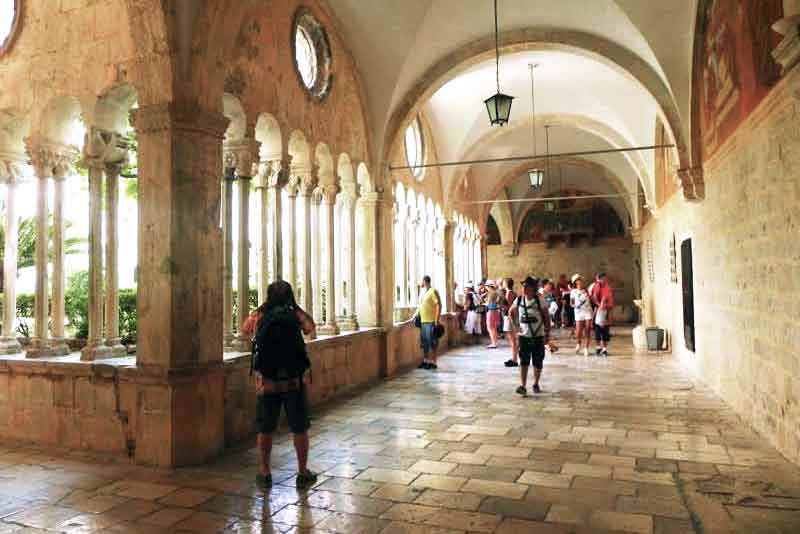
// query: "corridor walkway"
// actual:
[[624, 444]]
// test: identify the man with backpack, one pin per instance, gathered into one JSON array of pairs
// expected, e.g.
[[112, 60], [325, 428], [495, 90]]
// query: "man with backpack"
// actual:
[[534, 333], [430, 308], [282, 371]]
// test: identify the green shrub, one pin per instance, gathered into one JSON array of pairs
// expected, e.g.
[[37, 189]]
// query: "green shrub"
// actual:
[[128, 319], [25, 305], [76, 304]]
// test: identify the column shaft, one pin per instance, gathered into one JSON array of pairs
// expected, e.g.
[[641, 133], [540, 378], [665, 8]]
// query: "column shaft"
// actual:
[[95, 345], [40, 342], [8, 342], [244, 259], [314, 232], [290, 244], [304, 244], [227, 265], [349, 321], [57, 311], [328, 222], [276, 231], [264, 266], [112, 260]]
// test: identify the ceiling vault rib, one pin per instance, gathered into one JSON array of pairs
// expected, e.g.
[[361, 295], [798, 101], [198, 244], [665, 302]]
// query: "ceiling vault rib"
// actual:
[[545, 199], [528, 158]]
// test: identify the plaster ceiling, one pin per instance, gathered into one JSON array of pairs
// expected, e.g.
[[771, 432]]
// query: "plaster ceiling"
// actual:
[[396, 43]]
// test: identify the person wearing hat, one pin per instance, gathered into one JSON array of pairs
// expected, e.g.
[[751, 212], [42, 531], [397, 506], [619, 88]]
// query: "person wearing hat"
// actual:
[[582, 306], [534, 333]]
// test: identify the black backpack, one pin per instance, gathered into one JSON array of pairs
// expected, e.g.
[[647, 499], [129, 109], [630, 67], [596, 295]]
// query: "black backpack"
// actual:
[[279, 351]]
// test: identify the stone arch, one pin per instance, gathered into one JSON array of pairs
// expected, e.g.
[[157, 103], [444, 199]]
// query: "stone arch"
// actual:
[[61, 121], [324, 162], [519, 224], [112, 108], [299, 150], [363, 178], [588, 45], [268, 133], [232, 108], [14, 127], [501, 213], [344, 169], [600, 130]]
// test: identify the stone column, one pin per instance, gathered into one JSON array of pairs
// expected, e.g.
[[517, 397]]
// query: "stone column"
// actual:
[[348, 321], [10, 172], [401, 240], [113, 339], [227, 258], [275, 180], [179, 381], [411, 255], [304, 241], [448, 252], [315, 231], [328, 194], [444, 283], [96, 347], [262, 197], [58, 341], [289, 247], [368, 230], [40, 343]]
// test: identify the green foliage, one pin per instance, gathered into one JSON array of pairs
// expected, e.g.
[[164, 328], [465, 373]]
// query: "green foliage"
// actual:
[[76, 304], [253, 301], [128, 319], [26, 250]]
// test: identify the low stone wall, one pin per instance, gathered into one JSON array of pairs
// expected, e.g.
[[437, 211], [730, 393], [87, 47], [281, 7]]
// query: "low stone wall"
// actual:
[[116, 407]]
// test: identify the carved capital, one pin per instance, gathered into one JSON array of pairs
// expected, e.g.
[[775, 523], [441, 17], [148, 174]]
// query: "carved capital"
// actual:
[[328, 193], [102, 147], [278, 172], [50, 159], [242, 155], [11, 168], [162, 117], [692, 184]]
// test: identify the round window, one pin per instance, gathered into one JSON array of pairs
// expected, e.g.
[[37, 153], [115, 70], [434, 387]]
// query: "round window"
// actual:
[[9, 23], [312, 55], [415, 149]]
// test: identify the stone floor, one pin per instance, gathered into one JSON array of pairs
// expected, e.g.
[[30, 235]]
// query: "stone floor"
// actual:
[[624, 444]]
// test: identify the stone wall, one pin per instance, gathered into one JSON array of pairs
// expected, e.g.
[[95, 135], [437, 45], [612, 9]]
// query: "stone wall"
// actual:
[[80, 405], [746, 263], [612, 255]]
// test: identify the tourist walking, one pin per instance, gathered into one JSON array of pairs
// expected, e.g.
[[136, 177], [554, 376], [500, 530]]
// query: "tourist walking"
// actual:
[[472, 323], [580, 301], [492, 313], [562, 292], [534, 334], [603, 298], [282, 372], [430, 308], [507, 300]]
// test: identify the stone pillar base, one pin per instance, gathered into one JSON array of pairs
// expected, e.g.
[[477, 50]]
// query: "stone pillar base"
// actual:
[[328, 330], [99, 351], [59, 347], [10, 345], [348, 324], [117, 348], [229, 342], [178, 417]]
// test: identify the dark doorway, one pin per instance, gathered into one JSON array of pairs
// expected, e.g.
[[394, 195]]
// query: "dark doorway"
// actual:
[[688, 294]]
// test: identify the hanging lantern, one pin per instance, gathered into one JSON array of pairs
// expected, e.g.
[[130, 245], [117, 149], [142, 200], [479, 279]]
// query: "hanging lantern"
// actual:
[[536, 176], [499, 105], [499, 108]]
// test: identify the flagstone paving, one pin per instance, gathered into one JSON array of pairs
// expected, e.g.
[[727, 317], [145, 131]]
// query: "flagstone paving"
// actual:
[[620, 444]]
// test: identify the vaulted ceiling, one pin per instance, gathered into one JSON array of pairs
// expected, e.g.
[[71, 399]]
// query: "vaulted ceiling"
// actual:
[[607, 69]]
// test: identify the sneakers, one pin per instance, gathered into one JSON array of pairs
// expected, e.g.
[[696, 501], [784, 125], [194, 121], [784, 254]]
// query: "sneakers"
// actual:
[[265, 481], [522, 391], [585, 352], [577, 349], [598, 351], [511, 363], [604, 352], [432, 366], [307, 479], [536, 388], [424, 365]]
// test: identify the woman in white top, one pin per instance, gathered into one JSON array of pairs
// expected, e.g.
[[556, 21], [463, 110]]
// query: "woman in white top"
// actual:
[[582, 305]]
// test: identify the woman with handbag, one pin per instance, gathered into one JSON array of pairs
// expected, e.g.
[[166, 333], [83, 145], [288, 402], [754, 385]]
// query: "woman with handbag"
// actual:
[[508, 325], [492, 314]]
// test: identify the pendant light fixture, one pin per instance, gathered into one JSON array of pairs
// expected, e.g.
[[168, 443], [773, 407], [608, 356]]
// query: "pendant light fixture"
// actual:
[[499, 105], [536, 176]]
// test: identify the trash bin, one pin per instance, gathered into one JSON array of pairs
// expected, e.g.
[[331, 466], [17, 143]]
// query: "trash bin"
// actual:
[[655, 338]]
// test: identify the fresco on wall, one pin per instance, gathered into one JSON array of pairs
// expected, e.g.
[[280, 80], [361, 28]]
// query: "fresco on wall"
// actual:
[[592, 218], [492, 232], [666, 181], [736, 69]]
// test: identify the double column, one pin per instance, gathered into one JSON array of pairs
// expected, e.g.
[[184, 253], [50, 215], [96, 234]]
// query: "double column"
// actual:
[[50, 160], [304, 239], [10, 174], [327, 194], [103, 152], [240, 158], [348, 321], [271, 179]]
